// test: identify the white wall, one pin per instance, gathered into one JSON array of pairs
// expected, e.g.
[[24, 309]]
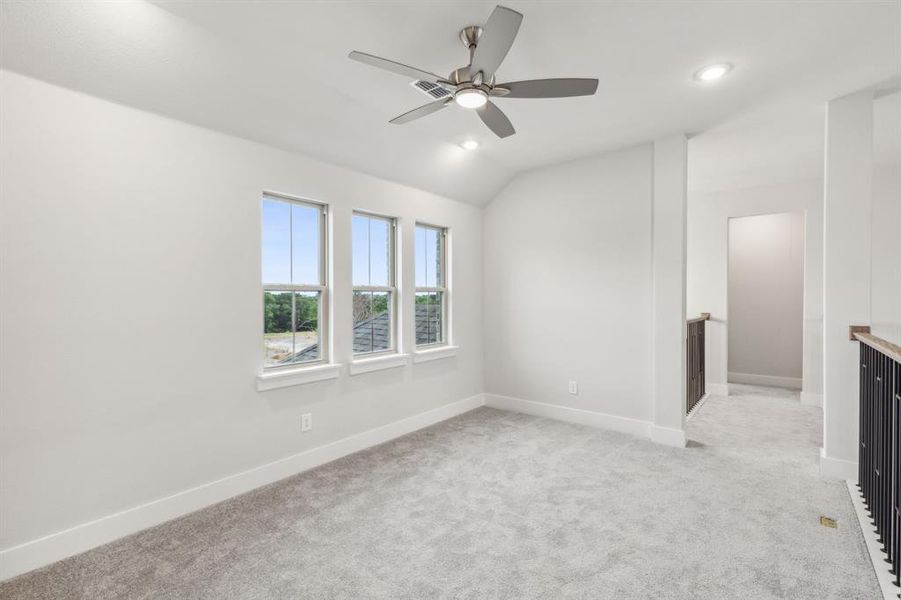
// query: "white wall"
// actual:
[[668, 229], [708, 215], [885, 298], [766, 299], [568, 285], [131, 304]]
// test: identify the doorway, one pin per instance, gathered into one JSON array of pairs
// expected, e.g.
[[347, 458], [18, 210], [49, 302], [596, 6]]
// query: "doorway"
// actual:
[[766, 299]]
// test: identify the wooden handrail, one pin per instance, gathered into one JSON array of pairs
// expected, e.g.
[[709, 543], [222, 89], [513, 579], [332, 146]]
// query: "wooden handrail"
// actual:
[[703, 317], [891, 350]]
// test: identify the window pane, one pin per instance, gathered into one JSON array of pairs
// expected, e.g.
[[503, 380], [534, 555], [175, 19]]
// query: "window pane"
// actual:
[[305, 234], [432, 254], [372, 322], [278, 337], [276, 241], [371, 251], [306, 326], [429, 318], [379, 251], [428, 256], [290, 327], [419, 259], [360, 250]]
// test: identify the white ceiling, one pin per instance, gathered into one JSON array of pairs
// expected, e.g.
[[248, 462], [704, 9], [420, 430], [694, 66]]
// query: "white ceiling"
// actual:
[[277, 72], [784, 143]]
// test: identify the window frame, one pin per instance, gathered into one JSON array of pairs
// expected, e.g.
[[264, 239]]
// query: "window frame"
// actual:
[[442, 289], [390, 289], [322, 287]]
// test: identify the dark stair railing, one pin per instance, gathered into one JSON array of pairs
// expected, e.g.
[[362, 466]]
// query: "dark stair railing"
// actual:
[[879, 460], [695, 379]]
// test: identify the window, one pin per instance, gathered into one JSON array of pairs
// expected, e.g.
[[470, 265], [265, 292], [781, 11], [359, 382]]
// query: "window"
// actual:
[[374, 291], [293, 244], [431, 285]]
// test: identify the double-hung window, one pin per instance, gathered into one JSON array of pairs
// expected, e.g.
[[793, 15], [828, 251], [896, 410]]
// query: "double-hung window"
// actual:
[[294, 281], [374, 291], [431, 285]]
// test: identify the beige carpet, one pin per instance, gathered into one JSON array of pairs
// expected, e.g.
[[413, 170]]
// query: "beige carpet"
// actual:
[[501, 505]]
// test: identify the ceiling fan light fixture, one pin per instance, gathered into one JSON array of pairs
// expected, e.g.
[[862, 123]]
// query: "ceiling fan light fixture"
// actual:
[[713, 72], [471, 98], [469, 145]]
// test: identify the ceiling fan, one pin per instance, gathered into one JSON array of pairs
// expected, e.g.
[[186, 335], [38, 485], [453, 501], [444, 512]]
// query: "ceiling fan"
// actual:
[[473, 85]]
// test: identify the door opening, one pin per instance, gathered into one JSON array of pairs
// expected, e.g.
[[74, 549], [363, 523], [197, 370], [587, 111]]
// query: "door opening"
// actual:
[[766, 299]]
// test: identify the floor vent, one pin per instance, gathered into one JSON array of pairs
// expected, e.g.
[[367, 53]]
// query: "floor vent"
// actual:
[[828, 522], [432, 90]]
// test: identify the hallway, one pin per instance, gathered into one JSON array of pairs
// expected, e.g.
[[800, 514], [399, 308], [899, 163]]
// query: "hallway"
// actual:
[[765, 444]]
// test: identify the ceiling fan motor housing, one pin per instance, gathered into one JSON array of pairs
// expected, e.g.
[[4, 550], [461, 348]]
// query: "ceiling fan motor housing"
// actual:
[[462, 78]]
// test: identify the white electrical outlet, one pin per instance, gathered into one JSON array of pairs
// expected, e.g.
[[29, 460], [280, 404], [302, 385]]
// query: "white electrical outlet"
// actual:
[[306, 421], [574, 388]]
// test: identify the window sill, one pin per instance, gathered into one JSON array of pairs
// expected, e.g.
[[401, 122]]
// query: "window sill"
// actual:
[[434, 354], [288, 377], [378, 363]]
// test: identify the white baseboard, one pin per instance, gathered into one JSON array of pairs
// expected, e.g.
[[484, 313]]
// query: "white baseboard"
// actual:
[[811, 399], [717, 389], [570, 415], [837, 468], [667, 436], [793, 383], [57, 546], [883, 574]]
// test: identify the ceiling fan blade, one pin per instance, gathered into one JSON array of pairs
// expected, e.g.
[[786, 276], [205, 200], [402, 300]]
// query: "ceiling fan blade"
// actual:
[[495, 42], [421, 111], [496, 120], [394, 67], [550, 88]]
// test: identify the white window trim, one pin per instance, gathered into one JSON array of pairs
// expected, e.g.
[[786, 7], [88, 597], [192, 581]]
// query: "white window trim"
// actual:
[[276, 376], [445, 295], [310, 373], [394, 347], [378, 363], [428, 354]]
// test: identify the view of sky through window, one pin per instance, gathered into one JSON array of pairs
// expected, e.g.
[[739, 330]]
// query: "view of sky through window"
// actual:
[[290, 243], [371, 250], [427, 256]]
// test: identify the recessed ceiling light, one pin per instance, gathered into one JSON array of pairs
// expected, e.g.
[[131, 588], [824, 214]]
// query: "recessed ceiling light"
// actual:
[[713, 72], [471, 98], [469, 145]]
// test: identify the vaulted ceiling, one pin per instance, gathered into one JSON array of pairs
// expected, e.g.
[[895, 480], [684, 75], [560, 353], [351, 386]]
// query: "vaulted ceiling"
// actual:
[[278, 73]]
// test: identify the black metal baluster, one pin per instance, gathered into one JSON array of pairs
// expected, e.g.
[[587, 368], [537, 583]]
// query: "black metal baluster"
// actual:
[[688, 404], [694, 338], [862, 447], [702, 360], [878, 423], [865, 425], [695, 371], [885, 448], [896, 472], [879, 460]]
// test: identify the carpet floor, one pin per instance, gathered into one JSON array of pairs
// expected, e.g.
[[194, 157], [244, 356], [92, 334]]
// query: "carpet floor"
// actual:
[[496, 504]]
